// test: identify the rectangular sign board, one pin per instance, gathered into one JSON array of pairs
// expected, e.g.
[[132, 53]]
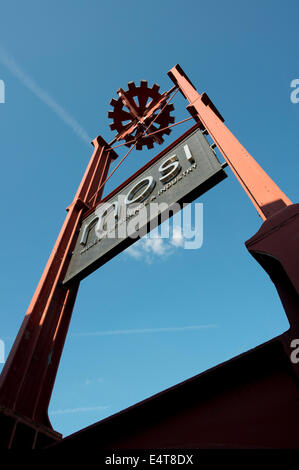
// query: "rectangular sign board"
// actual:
[[181, 173]]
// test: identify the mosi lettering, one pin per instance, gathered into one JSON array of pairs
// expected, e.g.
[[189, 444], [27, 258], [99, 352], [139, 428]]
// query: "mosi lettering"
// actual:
[[156, 193]]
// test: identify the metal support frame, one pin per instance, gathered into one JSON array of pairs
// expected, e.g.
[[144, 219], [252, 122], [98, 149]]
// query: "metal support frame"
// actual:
[[275, 245], [29, 373], [263, 192]]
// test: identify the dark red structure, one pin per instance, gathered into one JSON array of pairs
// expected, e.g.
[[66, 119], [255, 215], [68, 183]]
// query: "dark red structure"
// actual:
[[250, 401], [29, 373], [141, 115]]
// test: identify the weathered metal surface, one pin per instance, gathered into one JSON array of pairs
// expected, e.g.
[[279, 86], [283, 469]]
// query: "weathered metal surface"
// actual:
[[186, 171]]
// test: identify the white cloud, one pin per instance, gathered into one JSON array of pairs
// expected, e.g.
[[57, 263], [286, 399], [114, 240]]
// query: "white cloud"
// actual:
[[9, 62], [135, 251], [157, 246], [177, 239], [152, 246]]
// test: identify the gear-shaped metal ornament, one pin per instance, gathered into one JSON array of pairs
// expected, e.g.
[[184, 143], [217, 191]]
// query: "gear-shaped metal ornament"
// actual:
[[134, 111]]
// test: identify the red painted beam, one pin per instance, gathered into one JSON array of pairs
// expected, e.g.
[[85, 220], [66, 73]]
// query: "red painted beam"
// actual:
[[28, 376], [263, 192]]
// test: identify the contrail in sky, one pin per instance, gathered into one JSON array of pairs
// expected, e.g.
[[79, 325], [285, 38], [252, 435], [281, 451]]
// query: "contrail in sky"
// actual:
[[78, 410], [143, 330], [136, 331], [8, 61]]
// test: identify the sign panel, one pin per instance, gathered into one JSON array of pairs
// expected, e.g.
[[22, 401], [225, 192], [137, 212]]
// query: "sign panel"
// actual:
[[181, 173]]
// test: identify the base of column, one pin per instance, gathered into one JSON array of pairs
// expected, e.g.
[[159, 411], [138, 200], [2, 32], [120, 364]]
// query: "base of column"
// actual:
[[19, 432]]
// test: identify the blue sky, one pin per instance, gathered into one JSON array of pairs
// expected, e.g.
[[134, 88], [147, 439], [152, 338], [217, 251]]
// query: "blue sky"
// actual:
[[62, 62]]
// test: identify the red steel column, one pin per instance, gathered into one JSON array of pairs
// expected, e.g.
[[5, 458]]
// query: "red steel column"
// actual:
[[29, 373], [263, 192], [276, 245]]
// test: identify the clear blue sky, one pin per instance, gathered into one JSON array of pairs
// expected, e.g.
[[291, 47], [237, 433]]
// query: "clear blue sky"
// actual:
[[244, 55]]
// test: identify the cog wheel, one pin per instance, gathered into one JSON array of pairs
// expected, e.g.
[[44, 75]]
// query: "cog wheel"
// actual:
[[134, 111]]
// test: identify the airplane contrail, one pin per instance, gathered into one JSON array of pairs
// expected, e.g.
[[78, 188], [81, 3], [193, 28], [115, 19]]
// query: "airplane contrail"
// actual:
[[78, 410], [143, 330], [8, 61], [135, 331]]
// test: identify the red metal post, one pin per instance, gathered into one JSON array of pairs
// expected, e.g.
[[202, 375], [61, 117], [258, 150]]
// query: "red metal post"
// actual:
[[263, 192], [275, 245], [29, 373]]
